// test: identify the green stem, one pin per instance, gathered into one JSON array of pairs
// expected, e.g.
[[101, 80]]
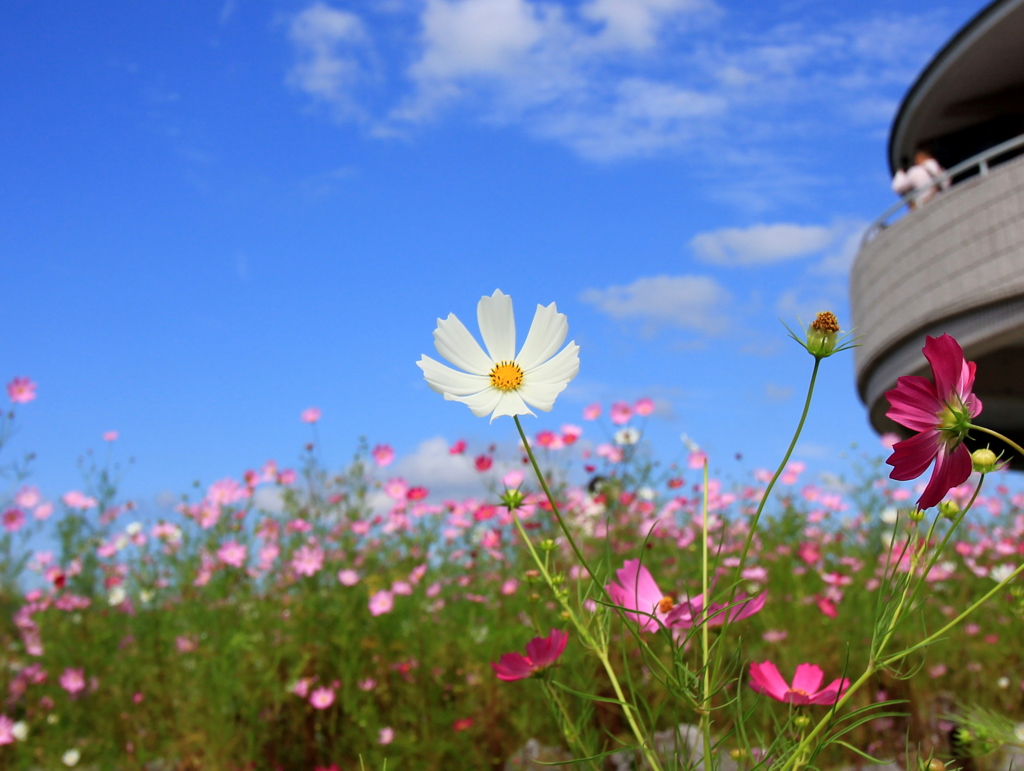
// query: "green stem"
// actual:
[[569, 732], [767, 494], [997, 435], [936, 635], [598, 648], [705, 714]]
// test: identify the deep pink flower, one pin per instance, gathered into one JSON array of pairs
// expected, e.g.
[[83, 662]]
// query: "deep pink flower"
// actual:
[[13, 519], [21, 390], [483, 462], [541, 653], [765, 678], [638, 591], [941, 413], [310, 415]]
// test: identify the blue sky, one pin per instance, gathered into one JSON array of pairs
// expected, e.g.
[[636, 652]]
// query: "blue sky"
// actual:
[[215, 214]]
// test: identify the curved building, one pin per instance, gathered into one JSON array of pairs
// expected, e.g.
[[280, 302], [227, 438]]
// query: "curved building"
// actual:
[[956, 264]]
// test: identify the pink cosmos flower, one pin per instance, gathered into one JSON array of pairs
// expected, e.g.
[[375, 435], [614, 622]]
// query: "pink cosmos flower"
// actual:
[[458, 448], [806, 689], [310, 415], [386, 735], [541, 653], [301, 686], [13, 519], [73, 680], [383, 454], [110, 436], [232, 553], [381, 602], [322, 698], [27, 497], [348, 577], [308, 560], [620, 413], [638, 591], [21, 390], [644, 406], [691, 612], [75, 499], [592, 411], [941, 413], [185, 643], [6, 730], [483, 462], [367, 684]]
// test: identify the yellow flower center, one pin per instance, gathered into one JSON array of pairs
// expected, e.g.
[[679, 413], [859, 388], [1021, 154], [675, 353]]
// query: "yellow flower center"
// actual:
[[665, 604], [506, 376]]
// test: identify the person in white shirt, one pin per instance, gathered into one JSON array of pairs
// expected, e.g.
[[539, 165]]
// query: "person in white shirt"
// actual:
[[922, 180]]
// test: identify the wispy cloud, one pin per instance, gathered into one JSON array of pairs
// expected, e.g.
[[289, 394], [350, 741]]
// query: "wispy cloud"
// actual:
[[614, 79], [768, 244], [696, 303], [330, 52]]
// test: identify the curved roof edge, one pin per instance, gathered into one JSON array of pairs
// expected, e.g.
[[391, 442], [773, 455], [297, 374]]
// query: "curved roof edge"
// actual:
[[970, 32]]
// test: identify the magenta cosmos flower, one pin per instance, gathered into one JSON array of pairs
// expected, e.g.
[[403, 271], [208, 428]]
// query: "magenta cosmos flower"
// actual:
[[638, 591], [941, 413], [541, 653], [806, 689]]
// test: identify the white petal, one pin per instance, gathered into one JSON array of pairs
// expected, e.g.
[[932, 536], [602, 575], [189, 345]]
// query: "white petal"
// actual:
[[541, 395], [446, 380], [511, 403], [497, 326], [481, 404], [546, 335], [561, 368], [455, 343]]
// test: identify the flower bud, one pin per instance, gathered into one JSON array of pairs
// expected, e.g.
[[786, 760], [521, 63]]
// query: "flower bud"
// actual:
[[801, 721], [915, 514], [547, 545], [532, 575], [984, 460], [737, 753], [823, 334], [512, 499], [933, 765], [949, 509]]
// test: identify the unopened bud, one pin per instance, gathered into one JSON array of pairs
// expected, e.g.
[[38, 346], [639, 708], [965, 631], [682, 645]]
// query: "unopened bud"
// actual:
[[737, 753], [823, 334], [915, 514], [557, 579], [949, 509], [801, 721], [935, 765], [532, 575], [547, 545], [984, 460], [512, 499]]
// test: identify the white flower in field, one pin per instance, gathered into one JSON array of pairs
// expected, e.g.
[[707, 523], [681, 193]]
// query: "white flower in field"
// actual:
[[1019, 732], [1001, 572], [499, 381], [117, 596], [627, 436], [1003, 682], [146, 596], [133, 529], [20, 730], [52, 718], [890, 515], [71, 758]]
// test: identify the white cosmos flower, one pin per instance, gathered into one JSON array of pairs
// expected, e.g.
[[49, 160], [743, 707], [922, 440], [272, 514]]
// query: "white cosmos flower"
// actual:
[[498, 381], [71, 758]]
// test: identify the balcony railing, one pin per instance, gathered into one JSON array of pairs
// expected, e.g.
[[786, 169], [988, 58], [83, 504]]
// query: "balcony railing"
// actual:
[[979, 164]]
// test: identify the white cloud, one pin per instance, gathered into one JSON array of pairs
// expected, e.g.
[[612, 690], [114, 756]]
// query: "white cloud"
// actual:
[[443, 474], [636, 23], [270, 499], [690, 302], [760, 244], [329, 65], [839, 260]]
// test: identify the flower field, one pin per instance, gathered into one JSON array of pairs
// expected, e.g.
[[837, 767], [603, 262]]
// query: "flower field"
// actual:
[[315, 618]]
